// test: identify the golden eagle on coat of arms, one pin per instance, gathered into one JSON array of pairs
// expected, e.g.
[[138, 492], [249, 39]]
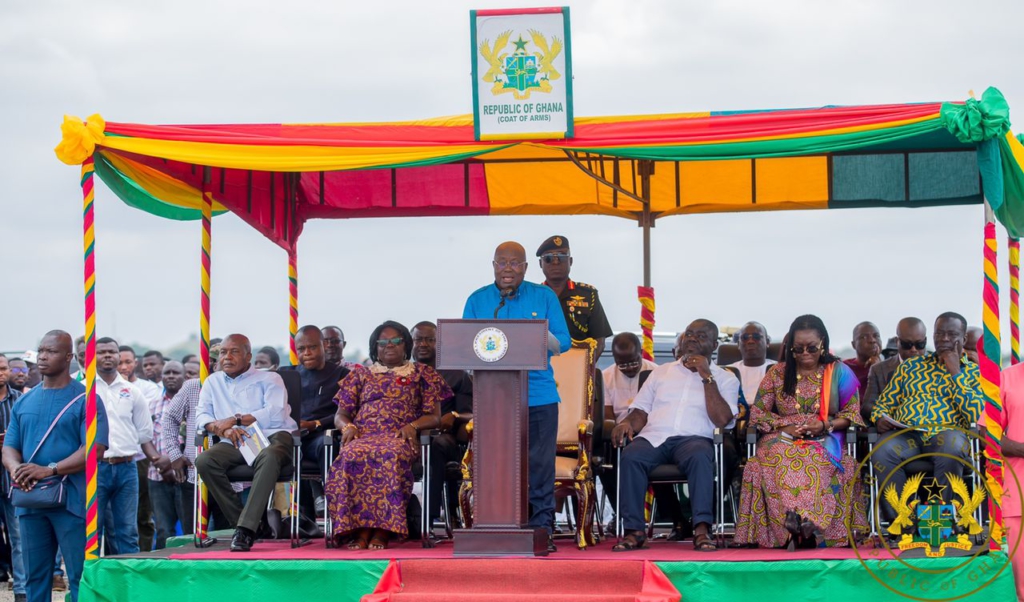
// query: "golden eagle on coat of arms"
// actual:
[[930, 523]]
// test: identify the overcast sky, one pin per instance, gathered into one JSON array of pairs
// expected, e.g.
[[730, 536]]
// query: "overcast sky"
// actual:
[[252, 62]]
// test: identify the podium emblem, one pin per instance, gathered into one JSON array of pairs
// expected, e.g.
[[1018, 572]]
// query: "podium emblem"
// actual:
[[490, 344]]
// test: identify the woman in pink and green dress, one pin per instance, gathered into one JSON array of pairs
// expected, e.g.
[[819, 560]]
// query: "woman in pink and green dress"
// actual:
[[802, 488]]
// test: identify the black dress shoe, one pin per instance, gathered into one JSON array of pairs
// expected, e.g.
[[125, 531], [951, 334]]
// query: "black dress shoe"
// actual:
[[242, 540], [681, 532], [552, 548]]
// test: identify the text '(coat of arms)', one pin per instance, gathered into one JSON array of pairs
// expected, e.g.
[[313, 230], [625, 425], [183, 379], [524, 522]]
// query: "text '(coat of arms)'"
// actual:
[[522, 71]]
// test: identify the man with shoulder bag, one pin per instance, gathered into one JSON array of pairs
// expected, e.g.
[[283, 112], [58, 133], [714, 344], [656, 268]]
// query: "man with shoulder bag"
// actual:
[[48, 428]]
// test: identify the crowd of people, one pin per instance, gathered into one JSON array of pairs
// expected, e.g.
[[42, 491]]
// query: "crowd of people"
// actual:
[[801, 489]]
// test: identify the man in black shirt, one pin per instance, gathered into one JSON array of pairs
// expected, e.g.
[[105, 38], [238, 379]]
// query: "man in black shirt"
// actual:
[[319, 386], [456, 412], [580, 303]]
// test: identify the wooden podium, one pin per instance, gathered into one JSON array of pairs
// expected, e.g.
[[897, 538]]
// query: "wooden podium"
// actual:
[[500, 353]]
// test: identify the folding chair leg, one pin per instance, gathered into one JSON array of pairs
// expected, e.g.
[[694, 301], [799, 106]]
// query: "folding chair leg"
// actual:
[[654, 512], [618, 494], [718, 531], [425, 526], [448, 523], [328, 528], [295, 499]]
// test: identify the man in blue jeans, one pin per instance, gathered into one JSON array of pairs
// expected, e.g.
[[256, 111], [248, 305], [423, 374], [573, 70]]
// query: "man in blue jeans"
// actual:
[[165, 492], [131, 428], [509, 298], [7, 398], [61, 454]]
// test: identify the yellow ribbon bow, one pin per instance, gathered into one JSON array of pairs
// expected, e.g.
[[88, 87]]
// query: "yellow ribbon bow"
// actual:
[[79, 138]]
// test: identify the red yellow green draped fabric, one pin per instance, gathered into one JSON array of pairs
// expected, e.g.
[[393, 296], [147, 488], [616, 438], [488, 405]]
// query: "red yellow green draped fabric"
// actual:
[[278, 176]]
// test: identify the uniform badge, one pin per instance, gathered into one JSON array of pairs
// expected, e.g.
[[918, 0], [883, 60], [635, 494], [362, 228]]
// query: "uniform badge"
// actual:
[[558, 241]]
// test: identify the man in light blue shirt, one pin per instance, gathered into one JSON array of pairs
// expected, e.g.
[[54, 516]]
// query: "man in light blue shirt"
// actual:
[[236, 397], [509, 298]]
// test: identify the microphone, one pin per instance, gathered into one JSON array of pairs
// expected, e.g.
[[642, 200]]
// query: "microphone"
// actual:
[[506, 293]]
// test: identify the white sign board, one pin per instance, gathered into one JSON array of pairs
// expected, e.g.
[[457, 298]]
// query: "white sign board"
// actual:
[[522, 74]]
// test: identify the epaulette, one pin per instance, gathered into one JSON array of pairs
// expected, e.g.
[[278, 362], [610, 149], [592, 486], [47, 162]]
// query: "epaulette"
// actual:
[[584, 284]]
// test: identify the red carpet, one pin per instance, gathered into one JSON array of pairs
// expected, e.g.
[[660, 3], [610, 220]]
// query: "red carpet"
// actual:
[[509, 580], [657, 550]]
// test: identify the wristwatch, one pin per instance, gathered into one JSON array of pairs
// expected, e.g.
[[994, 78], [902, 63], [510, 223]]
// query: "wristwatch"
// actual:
[[831, 427], [238, 420], [710, 379], [53, 467]]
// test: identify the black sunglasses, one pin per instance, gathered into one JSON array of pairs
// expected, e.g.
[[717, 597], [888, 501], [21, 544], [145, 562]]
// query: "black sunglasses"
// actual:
[[751, 336], [551, 257], [908, 345], [805, 349]]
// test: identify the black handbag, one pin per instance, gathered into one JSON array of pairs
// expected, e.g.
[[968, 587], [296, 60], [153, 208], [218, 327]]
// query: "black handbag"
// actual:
[[49, 493]]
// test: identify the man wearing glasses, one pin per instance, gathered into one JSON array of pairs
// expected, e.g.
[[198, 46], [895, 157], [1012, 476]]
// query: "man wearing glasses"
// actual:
[[509, 298], [754, 362], [580, 303], [622, 381], [912, 337], [19, 375], [230, 400]]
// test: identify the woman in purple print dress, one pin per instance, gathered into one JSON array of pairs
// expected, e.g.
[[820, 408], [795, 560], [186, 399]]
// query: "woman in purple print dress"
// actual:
[[802, 489], [380, 410]]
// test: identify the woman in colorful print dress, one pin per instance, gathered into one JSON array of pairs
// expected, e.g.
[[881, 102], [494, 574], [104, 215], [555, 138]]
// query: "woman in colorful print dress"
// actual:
[[801, 487], [380, 410]]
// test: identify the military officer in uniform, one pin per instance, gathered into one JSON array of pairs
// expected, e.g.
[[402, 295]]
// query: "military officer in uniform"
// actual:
[[580, 302]]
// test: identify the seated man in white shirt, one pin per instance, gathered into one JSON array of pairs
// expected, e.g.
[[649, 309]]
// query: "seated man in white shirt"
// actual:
[[621, 383], [238, 396], [754, 362], [672, 420]]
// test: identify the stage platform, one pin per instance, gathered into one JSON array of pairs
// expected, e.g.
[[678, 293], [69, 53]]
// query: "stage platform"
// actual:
[[275, 571]]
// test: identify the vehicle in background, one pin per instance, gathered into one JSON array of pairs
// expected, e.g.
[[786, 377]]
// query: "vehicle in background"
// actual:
[[663, 344]]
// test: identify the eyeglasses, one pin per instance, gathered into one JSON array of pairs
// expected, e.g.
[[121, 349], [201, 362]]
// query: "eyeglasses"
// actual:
[[628, 366], [392, 341], [333, 340], [912, 344], [427, 340], [19, 370], [515, 264], [805, 349], [751, 336], [551, 257]]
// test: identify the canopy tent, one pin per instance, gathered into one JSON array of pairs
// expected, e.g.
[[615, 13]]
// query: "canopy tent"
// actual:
[[275, 177]]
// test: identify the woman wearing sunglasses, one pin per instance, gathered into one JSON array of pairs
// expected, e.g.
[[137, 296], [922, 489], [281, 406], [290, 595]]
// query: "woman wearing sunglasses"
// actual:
[[800, 487], [380, 411]]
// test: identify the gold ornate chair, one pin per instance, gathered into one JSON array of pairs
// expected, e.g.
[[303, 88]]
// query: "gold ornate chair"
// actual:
[[574, 476]]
